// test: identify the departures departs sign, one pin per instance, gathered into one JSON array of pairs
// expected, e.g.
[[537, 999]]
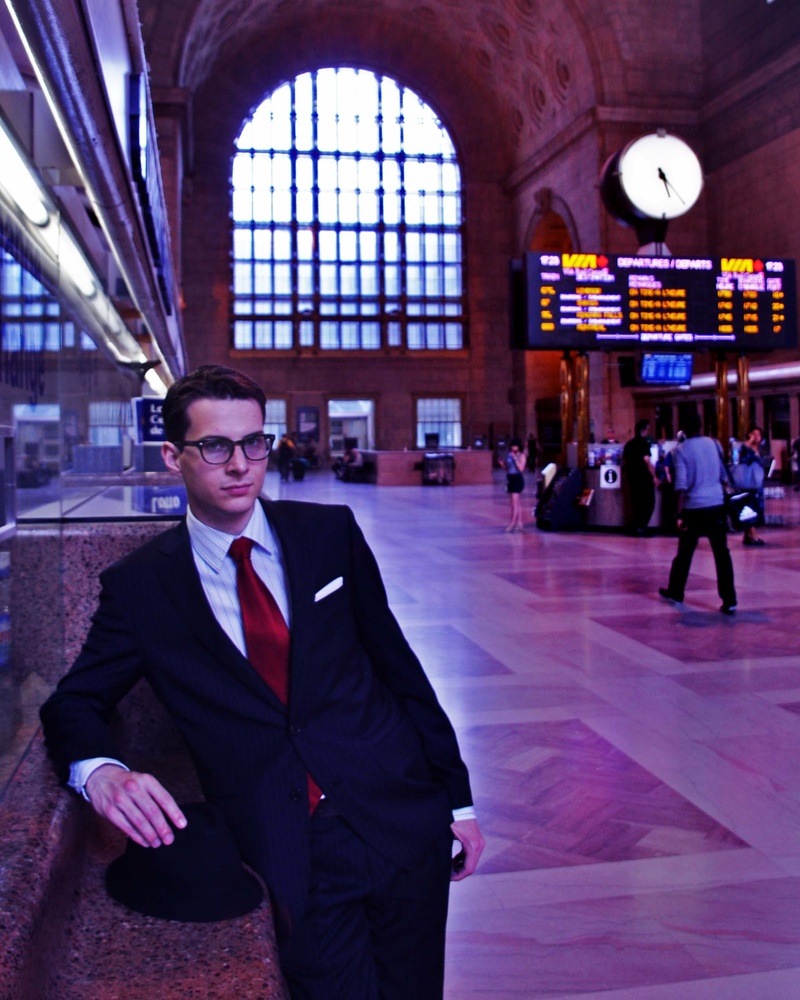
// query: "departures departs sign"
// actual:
[[592, 301]]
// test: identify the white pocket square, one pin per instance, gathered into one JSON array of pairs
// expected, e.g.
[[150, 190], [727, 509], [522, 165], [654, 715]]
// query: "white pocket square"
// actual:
[[329, 588]]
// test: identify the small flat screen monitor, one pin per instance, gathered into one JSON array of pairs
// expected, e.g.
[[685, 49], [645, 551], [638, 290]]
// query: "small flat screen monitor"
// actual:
[[666, 369]]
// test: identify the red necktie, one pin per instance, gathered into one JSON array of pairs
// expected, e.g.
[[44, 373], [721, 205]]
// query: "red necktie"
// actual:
[[266, 634]]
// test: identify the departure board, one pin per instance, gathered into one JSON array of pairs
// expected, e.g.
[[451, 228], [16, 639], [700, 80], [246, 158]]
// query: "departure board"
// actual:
[[586, 301]]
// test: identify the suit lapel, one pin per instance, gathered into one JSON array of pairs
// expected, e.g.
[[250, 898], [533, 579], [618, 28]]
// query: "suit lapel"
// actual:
[[181, 583]]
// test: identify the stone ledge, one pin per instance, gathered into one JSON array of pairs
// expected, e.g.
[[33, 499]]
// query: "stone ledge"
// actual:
[[63, 937], [40, 829]]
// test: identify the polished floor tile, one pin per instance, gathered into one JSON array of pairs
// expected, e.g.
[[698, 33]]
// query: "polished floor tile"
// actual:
[[634, 764]]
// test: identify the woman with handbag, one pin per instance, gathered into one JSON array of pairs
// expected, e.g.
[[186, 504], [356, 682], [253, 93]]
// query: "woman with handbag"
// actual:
[[748, 474], [516, 460]]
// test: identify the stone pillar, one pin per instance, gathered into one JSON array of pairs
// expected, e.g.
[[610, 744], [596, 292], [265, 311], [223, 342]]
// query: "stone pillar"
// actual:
[[723, 400], [743, 395], [582, 399], [567, 404]]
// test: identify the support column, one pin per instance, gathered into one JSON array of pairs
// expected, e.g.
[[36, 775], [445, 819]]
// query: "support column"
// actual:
[[723, 401], [743, 396], [567, 404], [582, 396]]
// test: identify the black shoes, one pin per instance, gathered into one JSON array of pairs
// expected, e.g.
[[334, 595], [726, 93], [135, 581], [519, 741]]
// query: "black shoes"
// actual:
[[726, 609], [752, 541]]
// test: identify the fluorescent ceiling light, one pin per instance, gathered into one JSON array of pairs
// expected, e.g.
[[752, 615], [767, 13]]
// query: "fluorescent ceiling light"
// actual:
[[19, 183], [155, 383], [72, 263]]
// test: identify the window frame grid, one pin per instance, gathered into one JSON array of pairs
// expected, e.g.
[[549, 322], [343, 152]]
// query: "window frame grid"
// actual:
[[435, 422], [393, 312], [32, 319]]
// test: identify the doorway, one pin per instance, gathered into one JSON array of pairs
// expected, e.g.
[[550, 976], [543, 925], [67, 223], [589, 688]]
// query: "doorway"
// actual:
[[351, 423]]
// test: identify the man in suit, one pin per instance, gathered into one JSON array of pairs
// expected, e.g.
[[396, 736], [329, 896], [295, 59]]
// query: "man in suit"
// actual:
[[359, 883]]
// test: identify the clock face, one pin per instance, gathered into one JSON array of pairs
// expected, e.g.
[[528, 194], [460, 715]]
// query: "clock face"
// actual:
[[660, 176]]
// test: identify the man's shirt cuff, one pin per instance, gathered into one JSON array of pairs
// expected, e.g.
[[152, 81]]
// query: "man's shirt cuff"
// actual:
[[81, 770], [465, 812]]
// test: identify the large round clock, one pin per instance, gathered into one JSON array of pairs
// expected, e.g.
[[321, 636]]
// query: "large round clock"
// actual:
[[656, 176]]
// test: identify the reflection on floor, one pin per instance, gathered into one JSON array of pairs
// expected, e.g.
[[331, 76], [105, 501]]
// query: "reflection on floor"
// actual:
[[635, 765]]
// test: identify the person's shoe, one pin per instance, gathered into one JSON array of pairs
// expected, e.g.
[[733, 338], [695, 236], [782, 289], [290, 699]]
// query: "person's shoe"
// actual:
[[669, 597], [752, 541], [728, 609]]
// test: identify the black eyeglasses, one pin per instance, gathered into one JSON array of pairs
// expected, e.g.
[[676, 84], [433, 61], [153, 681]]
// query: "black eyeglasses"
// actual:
[[219, 450]]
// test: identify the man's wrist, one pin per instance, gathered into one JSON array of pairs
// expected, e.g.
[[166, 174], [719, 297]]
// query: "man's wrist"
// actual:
[[81, 770]]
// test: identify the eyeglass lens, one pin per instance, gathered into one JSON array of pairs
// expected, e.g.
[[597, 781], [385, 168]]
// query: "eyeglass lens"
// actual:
[[218, 450]]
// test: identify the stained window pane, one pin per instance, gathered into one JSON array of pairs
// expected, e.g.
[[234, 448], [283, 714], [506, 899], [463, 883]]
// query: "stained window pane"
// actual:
[[328, 335], [391, 246], [243, 279], [391, 279], [328, 279], [283, 244], [305, 279], [368, 244], [348, 207], [283, 335], [433, 281], [304, 129], [242, 334], [242, 244], [369, 280], [413, 280], [305, 244], [328, 245]]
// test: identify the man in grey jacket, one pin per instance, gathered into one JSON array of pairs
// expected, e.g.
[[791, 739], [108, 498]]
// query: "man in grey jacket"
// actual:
[[700, 512]]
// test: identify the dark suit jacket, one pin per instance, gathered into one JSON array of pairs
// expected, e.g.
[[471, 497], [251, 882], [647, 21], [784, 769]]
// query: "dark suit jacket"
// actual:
[[362, 717]]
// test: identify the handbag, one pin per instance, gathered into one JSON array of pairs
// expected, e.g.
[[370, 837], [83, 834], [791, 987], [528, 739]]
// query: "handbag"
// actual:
[[741, 503], [741, 506], [747, 475]]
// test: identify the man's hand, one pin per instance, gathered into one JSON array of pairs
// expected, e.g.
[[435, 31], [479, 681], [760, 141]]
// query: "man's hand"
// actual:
[[136, 803], [472, 844]]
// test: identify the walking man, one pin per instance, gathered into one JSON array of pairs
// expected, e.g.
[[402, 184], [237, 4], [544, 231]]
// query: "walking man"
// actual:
[[700, 512]]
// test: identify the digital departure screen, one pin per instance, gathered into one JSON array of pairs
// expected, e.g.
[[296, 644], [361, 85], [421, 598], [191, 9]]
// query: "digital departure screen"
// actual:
[[666, 369], [587, 301]]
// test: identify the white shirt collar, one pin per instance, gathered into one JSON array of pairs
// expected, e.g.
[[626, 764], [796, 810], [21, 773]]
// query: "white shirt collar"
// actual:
[[212, 545]]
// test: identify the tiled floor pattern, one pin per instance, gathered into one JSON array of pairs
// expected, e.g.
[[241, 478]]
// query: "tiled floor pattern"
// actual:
[[635, 765]]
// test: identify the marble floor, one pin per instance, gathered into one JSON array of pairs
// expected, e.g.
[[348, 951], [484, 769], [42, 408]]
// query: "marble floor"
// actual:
[[635, 765]]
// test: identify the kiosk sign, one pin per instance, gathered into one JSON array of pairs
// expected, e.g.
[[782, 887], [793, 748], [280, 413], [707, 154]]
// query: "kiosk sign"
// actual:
[[610, 477]]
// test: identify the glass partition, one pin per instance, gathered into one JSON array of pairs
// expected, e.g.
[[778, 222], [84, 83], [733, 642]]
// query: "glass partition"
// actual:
[[80, 442]]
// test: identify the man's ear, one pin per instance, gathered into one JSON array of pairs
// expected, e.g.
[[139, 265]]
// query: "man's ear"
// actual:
[[170, 454]]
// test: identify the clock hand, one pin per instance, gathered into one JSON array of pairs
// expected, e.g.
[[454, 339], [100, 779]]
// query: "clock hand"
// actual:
[[663, 177]]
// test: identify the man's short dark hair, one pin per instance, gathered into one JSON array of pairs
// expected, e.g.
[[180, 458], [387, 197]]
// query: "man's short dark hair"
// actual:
[[692, 424], [641, 425], [206, 382]]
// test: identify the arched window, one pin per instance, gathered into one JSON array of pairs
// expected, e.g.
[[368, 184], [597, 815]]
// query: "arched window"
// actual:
[[347, 220]]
